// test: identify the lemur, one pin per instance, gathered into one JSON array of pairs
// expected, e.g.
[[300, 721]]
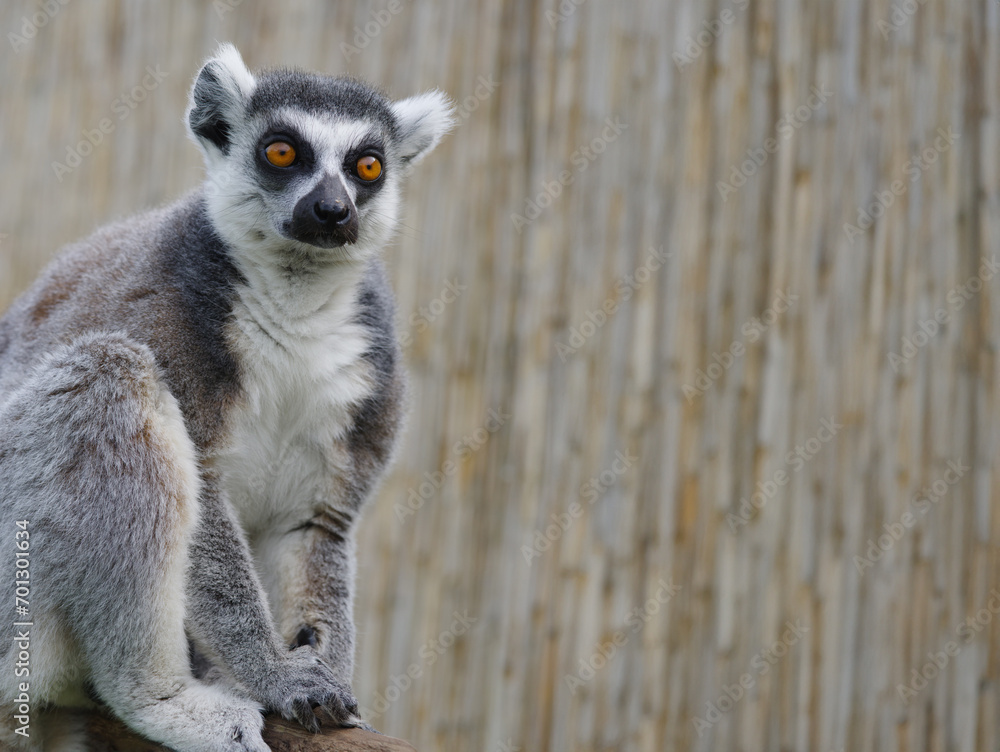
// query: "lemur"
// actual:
[[195, 404]]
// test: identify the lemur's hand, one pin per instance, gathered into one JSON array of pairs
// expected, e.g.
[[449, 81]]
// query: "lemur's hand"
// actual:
[[303, 681]]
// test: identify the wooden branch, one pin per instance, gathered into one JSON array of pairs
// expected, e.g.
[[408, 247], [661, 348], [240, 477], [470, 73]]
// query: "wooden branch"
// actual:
[[283, 736], [109, 733]]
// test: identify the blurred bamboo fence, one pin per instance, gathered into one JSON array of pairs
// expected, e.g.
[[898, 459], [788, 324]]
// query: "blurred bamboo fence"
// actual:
[[699, 308]]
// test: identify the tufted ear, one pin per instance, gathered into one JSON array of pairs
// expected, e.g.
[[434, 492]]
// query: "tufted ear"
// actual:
[[422, 119], [218, 98]]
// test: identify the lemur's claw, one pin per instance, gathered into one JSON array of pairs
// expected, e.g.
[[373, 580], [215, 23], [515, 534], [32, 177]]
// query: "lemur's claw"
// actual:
[[356, 722], [305, 682]]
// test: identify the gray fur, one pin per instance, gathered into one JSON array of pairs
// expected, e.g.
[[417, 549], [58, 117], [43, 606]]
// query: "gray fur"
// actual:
[[193, 411], [314, 93]]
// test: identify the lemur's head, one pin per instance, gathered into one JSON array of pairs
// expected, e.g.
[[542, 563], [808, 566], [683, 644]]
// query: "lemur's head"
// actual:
[[304, 163]]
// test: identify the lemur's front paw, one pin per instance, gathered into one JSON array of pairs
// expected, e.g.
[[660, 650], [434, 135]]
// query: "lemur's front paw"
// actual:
[[304, 682]]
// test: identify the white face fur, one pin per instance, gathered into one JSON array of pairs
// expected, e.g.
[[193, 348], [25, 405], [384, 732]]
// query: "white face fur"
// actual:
[[339, 149]]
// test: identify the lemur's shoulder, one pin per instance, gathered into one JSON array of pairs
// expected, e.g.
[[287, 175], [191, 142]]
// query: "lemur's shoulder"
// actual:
[[164, 278], [154, 253]]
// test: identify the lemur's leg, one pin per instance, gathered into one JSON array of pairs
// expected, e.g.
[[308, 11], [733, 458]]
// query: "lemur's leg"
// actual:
[[309, 574], [95, 458], [310, 577], [309, 569], [230, 624]]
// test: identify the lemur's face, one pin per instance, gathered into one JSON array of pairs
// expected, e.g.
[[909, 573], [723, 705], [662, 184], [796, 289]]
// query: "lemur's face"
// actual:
[[298, 162]]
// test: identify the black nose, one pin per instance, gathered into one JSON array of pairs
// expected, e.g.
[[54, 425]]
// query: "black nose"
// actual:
[[325, 217], [331, 212]]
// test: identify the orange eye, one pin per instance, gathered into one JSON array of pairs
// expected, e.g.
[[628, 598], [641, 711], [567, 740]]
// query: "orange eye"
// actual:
[[369, 168], [280, 153]]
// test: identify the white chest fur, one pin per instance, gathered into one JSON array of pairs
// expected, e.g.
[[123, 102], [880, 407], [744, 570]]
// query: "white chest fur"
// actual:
[[302, 373]]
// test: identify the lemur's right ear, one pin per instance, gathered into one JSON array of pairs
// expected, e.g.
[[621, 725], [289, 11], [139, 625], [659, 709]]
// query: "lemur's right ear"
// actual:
[[218, 97]]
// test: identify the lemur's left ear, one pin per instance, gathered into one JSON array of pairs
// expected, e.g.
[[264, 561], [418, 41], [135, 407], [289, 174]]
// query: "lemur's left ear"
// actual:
[[218, 98], [422, 119]]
